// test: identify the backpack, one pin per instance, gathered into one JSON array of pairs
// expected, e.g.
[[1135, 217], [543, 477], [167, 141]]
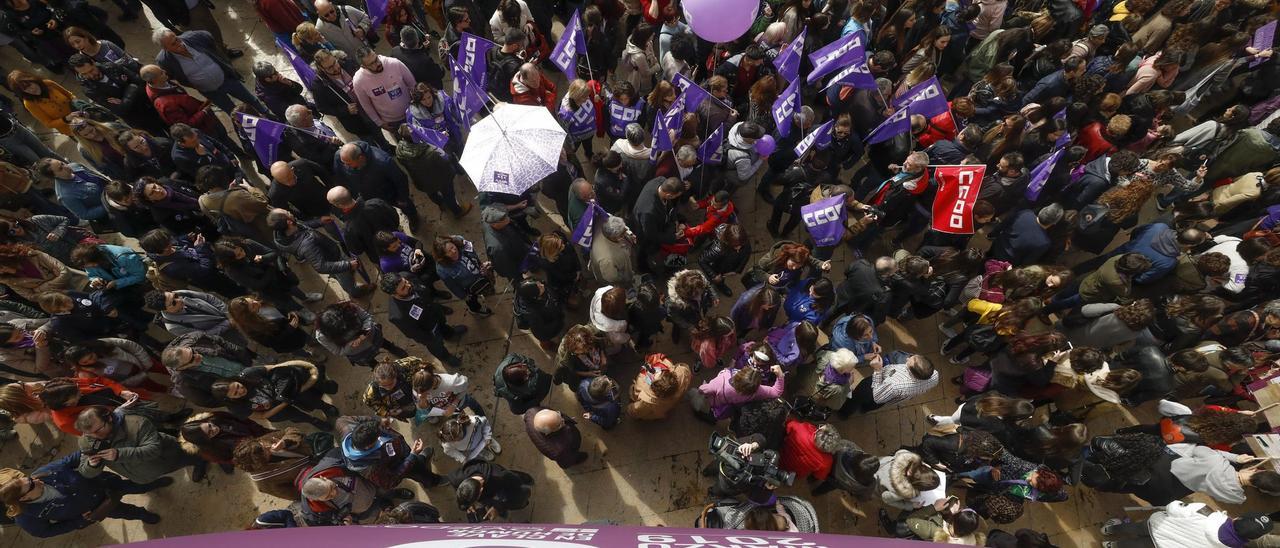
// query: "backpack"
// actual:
[[161, 281], [226, 224], [504, 68]]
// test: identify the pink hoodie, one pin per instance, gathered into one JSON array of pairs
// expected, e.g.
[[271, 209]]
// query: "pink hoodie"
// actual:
[[723, 398], [384, 96], [1148, 76]]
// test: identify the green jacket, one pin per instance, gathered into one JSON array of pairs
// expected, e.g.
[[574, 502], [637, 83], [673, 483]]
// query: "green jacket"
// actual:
[[1106, 285], [145, 454]]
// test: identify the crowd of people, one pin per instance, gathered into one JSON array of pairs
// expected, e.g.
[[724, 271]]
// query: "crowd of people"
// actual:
[[152, 308]]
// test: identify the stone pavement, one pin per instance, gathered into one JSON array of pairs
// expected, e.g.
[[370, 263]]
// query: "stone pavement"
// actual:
[[639, 473]]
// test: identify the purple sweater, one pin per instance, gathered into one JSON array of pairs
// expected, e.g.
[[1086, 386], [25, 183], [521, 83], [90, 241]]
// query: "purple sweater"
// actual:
[[723, 398]]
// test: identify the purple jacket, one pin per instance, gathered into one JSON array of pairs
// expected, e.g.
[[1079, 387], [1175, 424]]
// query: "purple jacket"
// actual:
[[723, 398]]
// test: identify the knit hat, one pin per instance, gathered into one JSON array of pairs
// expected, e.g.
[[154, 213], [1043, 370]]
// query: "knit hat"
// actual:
[[1252, 525], [493, 215], [1099, 30]]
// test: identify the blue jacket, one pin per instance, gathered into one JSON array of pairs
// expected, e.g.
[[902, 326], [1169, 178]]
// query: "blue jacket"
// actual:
[[126, 269], [1155, 241], [65, 513], [1020, 239], [188, 161], [82, 194], [799, 304], [605, 413], [841, 339], [201, 41], [1053, 85], [380, 177]]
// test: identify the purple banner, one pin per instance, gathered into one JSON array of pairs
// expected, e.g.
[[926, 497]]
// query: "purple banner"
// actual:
[[584, 233], [785, 106], [820, 137], [620, 115], [1040, 174], [691, 94], [572, 44], [1263, 38], [472, 61], [841, 53], [662, 126], [265, 136], [377, 11], [709, 151], [825, 220], [893, 126], [928, 90], [579, 122], [305, 72], [788, 60], [422, 132], [857, 75], [517, 535]]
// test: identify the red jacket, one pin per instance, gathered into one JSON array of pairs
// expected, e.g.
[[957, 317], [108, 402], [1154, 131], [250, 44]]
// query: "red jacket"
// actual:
[[544, 96], [65, 418], [281, 16], [713, 220], [801, 455], [1094, 142], [940, 128], [175, 106]]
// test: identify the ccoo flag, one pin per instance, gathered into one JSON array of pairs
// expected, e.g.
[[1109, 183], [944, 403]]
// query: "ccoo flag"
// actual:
[[584, 233], [857, 75], [1040, 174], [377, 12], [265, 136], [305, 72], [785, 106], [709, 150], [692, 94], [572, 44], [788, 61], [819, 137], [838, 54]]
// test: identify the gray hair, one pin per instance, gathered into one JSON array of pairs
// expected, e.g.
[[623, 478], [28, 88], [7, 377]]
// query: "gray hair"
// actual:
[[842, 360], [1050, 215], [157, 36], [636, 134], [805, 116], [687, 154], [885, 85], [317, 487], [294, 114], [614, 228], [1272, 308]]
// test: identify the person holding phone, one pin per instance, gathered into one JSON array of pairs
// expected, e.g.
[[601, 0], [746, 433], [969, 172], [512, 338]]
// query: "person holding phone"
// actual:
[[56, 499]]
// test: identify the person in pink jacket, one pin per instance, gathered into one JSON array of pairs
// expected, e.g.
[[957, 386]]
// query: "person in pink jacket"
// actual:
[[1159, 71], [383, 86], [734, 387]]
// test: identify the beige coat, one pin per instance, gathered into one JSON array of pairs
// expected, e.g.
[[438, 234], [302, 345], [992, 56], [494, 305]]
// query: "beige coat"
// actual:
[[54, 276], [645, 405], [1242, 189]]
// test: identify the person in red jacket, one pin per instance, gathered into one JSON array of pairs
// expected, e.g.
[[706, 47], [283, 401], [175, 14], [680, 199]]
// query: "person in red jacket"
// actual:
[[176, 106], [720, 210], [802, 449], [530, 87], [281, 16], [1099, 140]]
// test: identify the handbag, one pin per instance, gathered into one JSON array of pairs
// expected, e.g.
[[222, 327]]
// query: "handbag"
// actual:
[[976, 379], [984, 339]]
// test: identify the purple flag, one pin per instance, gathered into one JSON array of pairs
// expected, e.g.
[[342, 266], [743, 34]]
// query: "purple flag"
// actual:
[[584, 233], [928, 90], [788, 60], [265, 136], [709, 151], [1040, 175], [857, 75], [1263, 38], [825, 220], [838, 54], [620, 115], [1063, 140], [692, 94], [472, 61], [423, 134], [572, 44], [820, 137], [662, 126], [377, 11], [894, 125], [785, 106], [305, 72]]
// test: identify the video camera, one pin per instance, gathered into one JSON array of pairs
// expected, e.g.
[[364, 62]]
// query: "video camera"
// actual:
[[760, 469]]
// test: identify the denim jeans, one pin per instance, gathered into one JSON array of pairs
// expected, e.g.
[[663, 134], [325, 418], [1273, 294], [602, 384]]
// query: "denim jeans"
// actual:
[[25, 146]]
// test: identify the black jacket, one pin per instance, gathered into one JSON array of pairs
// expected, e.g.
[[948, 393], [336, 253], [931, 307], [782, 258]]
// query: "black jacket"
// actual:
[[611, 190], [721, 259], [653, 220], [306, 197], [862, 292], [401, 313], [134, 106], [421, 65], [316, 249], [310, 147], [361, 225]]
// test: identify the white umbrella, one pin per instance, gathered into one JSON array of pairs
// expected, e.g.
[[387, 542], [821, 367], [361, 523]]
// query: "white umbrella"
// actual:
[[513, 149]]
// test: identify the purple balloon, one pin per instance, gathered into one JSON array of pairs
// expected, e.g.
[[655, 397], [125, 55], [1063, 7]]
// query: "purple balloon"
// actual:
[[720, 20], [766, 145]]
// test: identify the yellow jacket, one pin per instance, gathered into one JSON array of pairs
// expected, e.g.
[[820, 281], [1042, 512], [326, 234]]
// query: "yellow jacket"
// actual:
[[53, 109]]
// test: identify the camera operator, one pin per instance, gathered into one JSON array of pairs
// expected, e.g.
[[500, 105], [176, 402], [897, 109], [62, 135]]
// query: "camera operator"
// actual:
[[743, 467]]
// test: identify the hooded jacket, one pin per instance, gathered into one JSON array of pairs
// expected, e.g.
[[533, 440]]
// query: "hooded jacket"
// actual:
[[316, 249], [521, 398], [78, 496], [722, 397], [1095, 180], [800, 453], [1157, 242], [645, 405], [741, 161], [1209, 471], [896, 489]]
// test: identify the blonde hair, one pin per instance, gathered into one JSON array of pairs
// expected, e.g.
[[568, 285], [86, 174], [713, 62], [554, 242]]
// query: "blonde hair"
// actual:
[[306, 31], [578, 91]]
